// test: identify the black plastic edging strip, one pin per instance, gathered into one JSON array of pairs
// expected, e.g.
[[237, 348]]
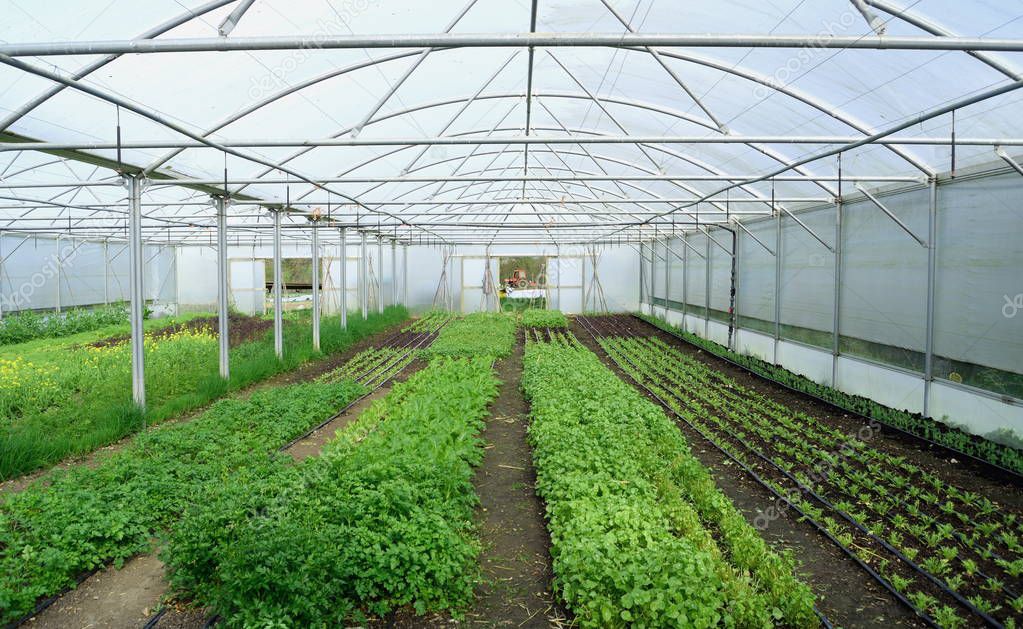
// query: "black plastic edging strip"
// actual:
[[154, 619], [820, 528], [47, 602], [807, 490], [1015, 476]]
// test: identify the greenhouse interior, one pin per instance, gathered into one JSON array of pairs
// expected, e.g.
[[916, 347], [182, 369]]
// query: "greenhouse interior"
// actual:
[[546, 313]]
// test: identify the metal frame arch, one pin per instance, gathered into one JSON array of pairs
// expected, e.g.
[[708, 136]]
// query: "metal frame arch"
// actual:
[[152, 33]]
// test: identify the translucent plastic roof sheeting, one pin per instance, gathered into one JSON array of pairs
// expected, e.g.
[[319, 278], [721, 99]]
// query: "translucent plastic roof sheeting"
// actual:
[[312, 94]]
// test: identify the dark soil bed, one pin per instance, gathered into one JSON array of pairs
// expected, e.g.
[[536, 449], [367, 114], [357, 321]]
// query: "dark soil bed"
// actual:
[[849, 596], [241, 329]]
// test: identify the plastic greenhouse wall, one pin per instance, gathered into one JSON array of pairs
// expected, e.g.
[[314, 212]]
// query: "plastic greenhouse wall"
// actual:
[[55, 273], [877, 344]]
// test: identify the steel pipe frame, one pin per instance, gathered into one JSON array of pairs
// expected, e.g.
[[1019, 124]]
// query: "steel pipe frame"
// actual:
[[959, 104], [404, 275], [223, 333], [904, 15], [380, 275], [343, 297], [472, 140], [316, 275], [506, 40], [277, 292], [364, 278], [137, 294], [467, 178]]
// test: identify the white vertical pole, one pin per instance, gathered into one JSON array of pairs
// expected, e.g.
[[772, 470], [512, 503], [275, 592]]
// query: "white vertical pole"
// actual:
[[316, 286], [343, 301], [653, 276], [363, 278], [1, 275], [777, 282], [56, 301], [106, 271], [278, 295], [222, 295], [685, 281], [136, 262], [380, 274], [404, 275], [932, 251], [835, 326], [667, 273], [706, 296], [394, 273]]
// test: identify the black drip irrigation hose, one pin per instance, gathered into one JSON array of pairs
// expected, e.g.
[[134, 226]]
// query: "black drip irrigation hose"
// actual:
[[1014, 476], [863, 530], [154, 619], [41, 606], [417, 341], [806, 517]]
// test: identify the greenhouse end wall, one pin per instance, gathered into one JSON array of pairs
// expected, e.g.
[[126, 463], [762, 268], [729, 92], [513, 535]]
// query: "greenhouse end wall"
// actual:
[[855, 316]]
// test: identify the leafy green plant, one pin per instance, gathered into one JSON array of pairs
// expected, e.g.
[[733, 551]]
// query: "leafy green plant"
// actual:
[[630, 510], [949, 436], [382, 519], [478, 334], [69, 522], [60, 399], [537, 318], [24, 326]]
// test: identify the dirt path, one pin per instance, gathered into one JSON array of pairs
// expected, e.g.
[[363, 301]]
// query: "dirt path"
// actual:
[[516, 557], [849, 597]]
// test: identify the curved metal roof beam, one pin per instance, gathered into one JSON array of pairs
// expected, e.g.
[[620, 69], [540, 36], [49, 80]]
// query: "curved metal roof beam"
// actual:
[[812, 101], [936, 29], [742, 73], [156, 31]]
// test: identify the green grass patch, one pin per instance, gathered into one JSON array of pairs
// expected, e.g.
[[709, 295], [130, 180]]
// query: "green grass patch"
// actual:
[[71, 399]]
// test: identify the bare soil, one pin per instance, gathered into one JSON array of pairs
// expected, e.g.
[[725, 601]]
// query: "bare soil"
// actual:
[[241, 329]]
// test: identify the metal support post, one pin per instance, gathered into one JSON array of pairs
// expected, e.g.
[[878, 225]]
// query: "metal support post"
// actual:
[[343, 296], [363, 278], [404, 275], [777, 283], [278, 289], [732, 291], [222, 294], [685, 281], [380, 274], [56, 299], [932, 253], [706, 296], [316, 286], [106, 270], [138, 305], [667, 274], [838, 293], [394, 273]]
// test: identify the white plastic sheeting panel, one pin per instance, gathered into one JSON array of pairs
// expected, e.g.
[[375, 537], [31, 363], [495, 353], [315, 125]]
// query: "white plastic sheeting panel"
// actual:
[[884, 280], [979, 280], [197, 288], [754, 300], [807, 285], [247, 281]]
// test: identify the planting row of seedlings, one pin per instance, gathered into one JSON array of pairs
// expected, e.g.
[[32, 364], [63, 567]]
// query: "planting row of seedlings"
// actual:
[[429, 321], [69, 523], [538, 318], [59, 400], [25, 326], [953, 555], [968, 445], [381, 520], [640, 534]]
